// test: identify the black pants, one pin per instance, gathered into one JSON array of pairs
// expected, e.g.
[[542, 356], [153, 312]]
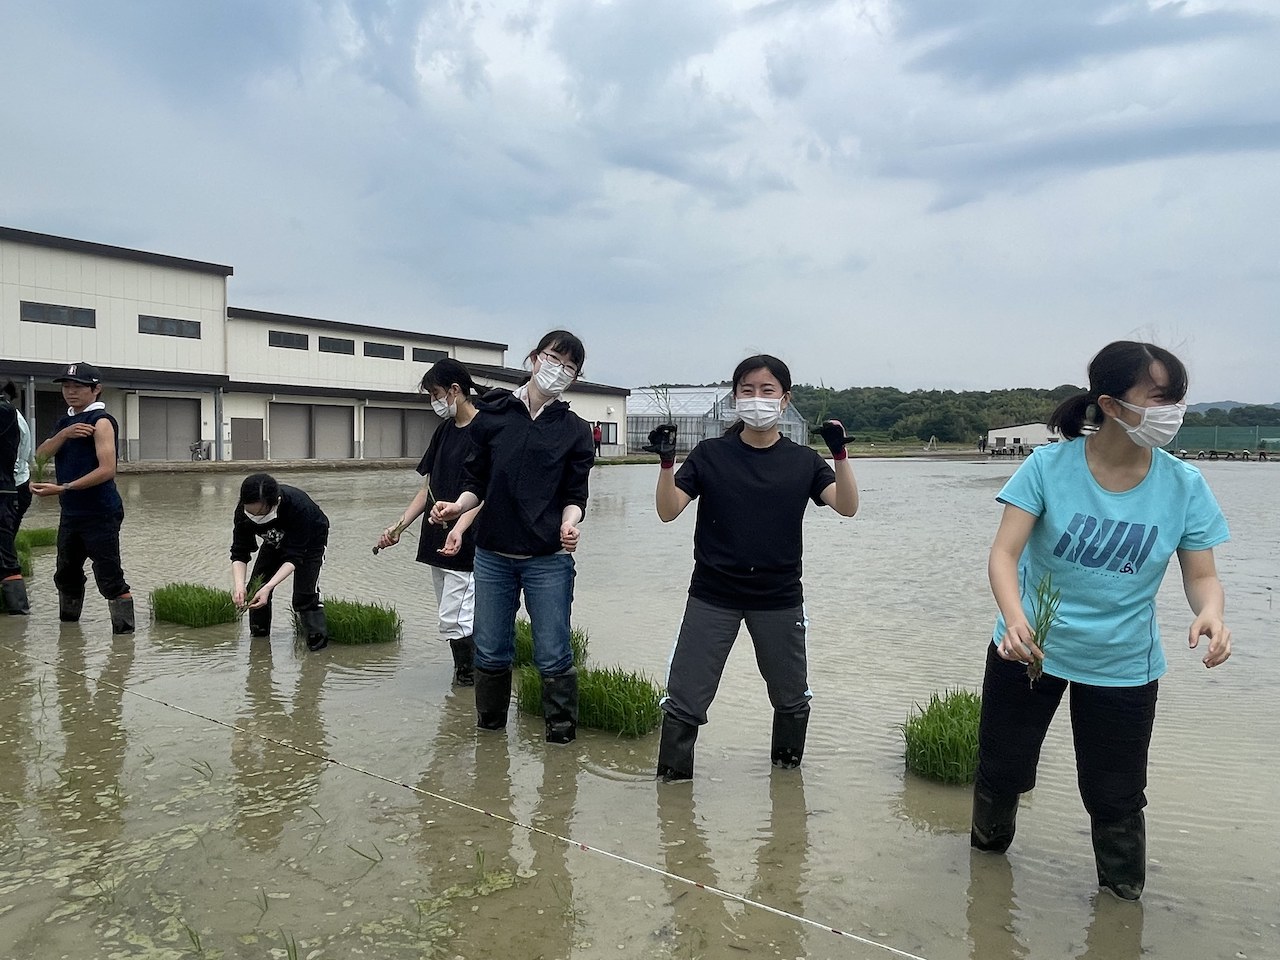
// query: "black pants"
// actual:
[[96, 539], [1111, 727], [12, 508], [306, 577]]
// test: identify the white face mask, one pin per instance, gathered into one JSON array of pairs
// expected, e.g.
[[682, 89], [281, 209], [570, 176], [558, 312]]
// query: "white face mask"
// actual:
[[444, 409], [760, 413], [552, 378], [265, 518], [1158, 426]]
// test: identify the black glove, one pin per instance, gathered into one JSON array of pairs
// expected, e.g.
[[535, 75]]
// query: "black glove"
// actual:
[[662, 441], [832, 433]]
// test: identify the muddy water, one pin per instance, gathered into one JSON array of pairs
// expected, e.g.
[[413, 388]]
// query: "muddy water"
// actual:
[[172, 793]]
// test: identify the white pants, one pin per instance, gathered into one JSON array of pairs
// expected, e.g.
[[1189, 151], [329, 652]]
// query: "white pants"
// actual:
[[455, 601]]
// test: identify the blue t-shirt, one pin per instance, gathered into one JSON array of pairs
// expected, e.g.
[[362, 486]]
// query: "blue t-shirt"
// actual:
[[1107, 553]]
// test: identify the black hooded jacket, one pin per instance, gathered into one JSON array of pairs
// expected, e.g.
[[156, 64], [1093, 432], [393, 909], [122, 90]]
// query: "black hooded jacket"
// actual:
[[526, 471]]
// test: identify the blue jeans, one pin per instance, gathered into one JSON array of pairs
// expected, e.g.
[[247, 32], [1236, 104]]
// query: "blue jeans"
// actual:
[[547, 583]]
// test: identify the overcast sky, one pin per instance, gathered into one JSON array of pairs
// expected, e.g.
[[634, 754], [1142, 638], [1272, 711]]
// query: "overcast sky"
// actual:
[[965, 194]]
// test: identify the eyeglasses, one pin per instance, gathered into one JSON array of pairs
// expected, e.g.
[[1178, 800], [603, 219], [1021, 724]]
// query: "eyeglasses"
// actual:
[[548, 357]]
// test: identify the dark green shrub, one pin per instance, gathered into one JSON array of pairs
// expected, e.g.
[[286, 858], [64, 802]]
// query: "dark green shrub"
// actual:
[[942, 738]]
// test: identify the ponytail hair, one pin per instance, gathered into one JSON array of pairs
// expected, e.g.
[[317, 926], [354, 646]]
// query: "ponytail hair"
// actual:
[[260, 488], [1114, 371], [444, 373]]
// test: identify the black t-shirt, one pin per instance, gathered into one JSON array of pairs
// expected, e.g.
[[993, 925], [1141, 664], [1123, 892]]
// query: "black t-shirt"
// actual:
[[751, 503], [446, 453], [300, 530]]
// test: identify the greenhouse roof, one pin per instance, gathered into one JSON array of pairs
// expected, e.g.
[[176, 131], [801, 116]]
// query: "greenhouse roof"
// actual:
[[675, 401]]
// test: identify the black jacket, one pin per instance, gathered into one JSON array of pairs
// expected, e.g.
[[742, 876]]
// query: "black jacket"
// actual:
[[526, 472], [299, 531]]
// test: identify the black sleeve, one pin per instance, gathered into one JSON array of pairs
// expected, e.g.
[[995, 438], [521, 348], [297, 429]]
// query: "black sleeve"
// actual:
[[479, 463], [687, 476], [577, 468], [823, 477], [306, 528], [243, 542]]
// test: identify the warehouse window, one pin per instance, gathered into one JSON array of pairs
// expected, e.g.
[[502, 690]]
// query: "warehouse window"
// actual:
[[608, 432], [169, 327], [388, 351], [55, 313], [290, 341], [336, 345], [422, 355]]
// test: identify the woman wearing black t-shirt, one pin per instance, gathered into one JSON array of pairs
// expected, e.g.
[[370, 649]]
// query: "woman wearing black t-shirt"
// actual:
[[449, 550], [294, 532], [752, 485]]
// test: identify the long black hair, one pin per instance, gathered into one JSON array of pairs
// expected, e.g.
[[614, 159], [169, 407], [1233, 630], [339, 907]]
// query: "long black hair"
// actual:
[[260, 488], [1114, 371], [761, 361], [444, 373], [564, 343]]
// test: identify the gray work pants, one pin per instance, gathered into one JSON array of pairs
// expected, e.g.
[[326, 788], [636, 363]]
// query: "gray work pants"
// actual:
[[702, 648]]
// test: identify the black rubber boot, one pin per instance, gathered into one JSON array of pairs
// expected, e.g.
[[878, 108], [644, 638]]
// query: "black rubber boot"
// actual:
[[121, 614], [14, 591], [69, 606], [788, 738], [994, 819], [1120, 849], [315, 628], [675, 749], [493, 697], [560, 706], [260, 621], [464, 651]]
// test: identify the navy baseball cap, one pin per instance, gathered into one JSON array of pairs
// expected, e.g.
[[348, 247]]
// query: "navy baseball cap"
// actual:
[[85, 373]]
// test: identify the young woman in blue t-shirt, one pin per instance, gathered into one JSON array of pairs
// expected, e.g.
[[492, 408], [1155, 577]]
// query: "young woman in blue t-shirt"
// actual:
[[753, 486], [1096, 518]]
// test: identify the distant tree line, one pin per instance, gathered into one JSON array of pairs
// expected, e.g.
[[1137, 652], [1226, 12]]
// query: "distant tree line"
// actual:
[[962, 416]]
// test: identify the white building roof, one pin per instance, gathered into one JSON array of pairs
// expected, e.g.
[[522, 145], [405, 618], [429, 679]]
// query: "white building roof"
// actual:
[[676, 401]]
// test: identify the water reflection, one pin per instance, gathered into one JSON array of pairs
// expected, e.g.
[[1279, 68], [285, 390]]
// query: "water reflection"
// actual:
[[935, 807], [781, 867], [990, 911], [88, 799], [15, 734], [1115, 930], [274, 783], [686, 854]]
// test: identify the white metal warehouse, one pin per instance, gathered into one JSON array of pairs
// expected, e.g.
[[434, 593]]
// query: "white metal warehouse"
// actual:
[[182, 371]]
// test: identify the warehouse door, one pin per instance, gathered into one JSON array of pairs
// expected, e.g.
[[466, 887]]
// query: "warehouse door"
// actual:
[[335, 437], [383, 433], [290, 431], [167, 427], [419, 425], [246, 439]]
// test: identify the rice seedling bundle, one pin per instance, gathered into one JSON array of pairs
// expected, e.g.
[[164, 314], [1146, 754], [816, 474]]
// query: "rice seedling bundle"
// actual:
[[37, 537], [25, 560], [578, 642], [355, 623], [612, 699], [942, 738], [193, 605]]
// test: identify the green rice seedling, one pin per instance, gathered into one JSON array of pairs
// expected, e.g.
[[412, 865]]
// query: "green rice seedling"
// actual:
[[37, 537], [40, 467], [612, 699], [1044, 615], [193, 605], [578, 642], [942, 739], [352, 622], [26, 561]]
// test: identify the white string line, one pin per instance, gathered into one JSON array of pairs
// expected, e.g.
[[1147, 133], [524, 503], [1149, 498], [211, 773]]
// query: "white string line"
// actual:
[[462, 804]]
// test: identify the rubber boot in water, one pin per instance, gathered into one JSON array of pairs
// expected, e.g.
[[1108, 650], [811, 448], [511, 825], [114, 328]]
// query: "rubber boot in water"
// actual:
[[994, 818], [69, 606], [315, 628], [675, 749], [788, 738], [493, 697], [464, 651], [1120, 849], [260, 621], [560, 706], [14, 591], [121, 613]]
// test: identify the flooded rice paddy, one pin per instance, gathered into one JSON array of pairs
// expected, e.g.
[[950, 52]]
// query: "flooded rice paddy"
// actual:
[[187, 793]]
